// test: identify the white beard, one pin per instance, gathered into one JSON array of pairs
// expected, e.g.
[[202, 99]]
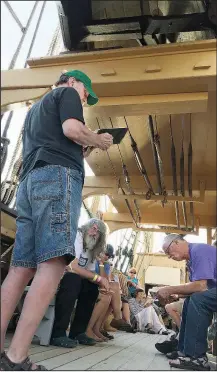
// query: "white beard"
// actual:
[[90, 242]]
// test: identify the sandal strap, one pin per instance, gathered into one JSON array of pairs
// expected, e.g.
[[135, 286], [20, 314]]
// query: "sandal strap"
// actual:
[[26, 365]]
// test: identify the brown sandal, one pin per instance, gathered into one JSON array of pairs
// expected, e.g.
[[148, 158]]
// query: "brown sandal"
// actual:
[[26, 365]]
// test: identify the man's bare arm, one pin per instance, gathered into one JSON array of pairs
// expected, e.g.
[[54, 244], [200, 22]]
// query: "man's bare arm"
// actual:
[[87, 274], [76, 131], [79, 133], [188, 288]]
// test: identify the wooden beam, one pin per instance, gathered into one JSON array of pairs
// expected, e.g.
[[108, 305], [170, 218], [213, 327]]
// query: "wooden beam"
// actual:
[[143, 197], [159, 217], [139, 185], [195, 46], [8, 222], [7, 232], [177, 71], [162, 104], [16, 98]]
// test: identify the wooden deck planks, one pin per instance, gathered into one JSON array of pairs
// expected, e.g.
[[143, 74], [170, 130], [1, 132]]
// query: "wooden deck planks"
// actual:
[[135, 352]]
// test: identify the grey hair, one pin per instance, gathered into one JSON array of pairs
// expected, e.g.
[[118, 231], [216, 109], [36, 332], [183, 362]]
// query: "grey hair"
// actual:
[[169, 239], [103, 232]]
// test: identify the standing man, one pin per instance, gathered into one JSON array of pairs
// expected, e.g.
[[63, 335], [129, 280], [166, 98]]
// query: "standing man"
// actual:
[[48, 206], [200, 303]]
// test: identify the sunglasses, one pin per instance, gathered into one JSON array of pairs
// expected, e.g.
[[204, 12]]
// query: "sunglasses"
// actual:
[[132, 272]]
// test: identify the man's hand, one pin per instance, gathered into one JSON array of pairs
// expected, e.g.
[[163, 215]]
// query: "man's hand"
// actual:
[[174, 297], [163, 294], [104, 284], [105, 140], [103, 291], [147, 305], [102, 258]]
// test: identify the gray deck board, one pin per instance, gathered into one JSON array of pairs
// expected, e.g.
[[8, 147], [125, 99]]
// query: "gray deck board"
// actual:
[[132, 352]]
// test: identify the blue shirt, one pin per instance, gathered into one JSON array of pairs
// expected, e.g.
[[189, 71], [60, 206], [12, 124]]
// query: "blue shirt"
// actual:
[[106, 268], [132, 289], [202, 263]]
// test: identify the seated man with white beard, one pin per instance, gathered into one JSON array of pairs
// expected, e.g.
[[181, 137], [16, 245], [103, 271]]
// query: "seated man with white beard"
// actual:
[[81, 284]]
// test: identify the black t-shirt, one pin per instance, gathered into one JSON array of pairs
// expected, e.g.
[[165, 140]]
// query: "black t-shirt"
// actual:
[[43, 138]]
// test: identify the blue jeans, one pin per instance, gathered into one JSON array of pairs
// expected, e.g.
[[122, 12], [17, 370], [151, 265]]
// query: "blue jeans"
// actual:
[[197, 316], [48, 206]]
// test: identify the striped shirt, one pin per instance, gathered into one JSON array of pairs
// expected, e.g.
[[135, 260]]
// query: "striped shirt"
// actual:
[[135, 307]]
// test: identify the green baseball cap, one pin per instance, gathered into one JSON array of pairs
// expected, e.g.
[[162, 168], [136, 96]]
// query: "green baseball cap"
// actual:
[[92, 99]]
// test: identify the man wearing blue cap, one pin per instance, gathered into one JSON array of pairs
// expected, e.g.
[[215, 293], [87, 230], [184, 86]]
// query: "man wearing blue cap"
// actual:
[[48, 207]]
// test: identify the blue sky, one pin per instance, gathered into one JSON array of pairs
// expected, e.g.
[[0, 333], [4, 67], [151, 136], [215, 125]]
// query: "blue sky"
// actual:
[[11, 33]]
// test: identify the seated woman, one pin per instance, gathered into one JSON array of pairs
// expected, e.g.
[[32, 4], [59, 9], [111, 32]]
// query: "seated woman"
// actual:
[[132, 282], [106, 302], [119, 277], [141, 308]]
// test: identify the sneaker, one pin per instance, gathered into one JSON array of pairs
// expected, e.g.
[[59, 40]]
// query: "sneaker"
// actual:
[[167, 346]]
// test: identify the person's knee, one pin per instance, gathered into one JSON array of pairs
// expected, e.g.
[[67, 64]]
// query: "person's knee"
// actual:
[[115, 286], [26, 272], [169, 308]]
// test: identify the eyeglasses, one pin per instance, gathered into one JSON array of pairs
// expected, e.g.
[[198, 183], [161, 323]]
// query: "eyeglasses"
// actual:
[[168, 248]]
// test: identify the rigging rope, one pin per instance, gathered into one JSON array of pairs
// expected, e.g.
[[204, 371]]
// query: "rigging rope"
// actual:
[[174, 173], [127, 181], [16, 150], [151, 131], [118, 181], [190, 166], [140, 164], [53, 41], [160, 163], [182, 175]]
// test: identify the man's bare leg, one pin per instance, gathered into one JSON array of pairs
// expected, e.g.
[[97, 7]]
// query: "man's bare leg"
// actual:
[[11, 292], [100, 309], [37, 300]]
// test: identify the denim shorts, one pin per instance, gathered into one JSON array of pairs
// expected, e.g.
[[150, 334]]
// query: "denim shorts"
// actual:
[[48, 207]]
